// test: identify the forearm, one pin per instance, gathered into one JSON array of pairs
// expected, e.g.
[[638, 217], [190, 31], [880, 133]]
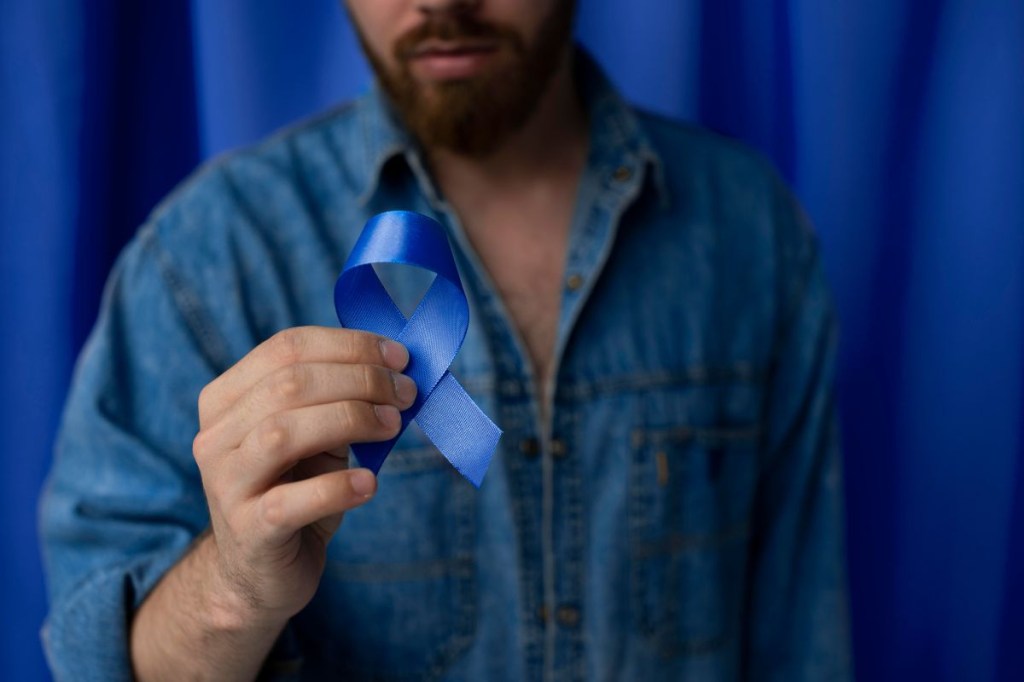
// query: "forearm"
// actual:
[[190, 627], [274, 494]]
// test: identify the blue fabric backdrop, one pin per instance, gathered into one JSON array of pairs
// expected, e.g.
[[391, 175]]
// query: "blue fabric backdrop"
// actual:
[[900, 124]]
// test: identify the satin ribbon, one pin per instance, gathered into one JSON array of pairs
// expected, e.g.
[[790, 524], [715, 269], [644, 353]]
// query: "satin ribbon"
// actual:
[[433, 334]]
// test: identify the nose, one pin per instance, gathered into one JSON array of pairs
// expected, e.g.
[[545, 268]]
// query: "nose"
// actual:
[[434, 7]]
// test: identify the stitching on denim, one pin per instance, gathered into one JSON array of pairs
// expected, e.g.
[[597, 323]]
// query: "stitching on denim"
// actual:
[[610, 221], [261, 234], [211, 343], [698, 375], [638, 502], [317, 210], [571, 469], [461, 569], [467, 594], [707, 436], [586, 389], [519, 470], [325, 119], [659, 621]]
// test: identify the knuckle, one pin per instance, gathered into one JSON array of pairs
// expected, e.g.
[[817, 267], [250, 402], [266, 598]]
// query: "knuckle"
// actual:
[[272, 510], [321, 495], [360, 346], [290, 382], [357, 420], [286, 345], [350, 346], [200, 446], [348, 419], [372, 381], [270, 435], [374, 348]]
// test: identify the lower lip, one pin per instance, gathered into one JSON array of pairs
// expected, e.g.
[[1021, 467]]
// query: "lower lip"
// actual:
[[442, 67]]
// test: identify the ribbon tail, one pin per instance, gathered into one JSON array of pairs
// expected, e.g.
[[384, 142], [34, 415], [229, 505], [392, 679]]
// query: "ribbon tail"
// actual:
[[372, 455], [459, 429]]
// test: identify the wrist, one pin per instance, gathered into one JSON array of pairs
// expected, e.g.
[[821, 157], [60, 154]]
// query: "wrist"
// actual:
[[229, 609]]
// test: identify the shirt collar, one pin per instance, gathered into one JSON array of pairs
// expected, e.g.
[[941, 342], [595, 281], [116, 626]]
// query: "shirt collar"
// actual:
[[617, 134], [382, 138], [616, 131]]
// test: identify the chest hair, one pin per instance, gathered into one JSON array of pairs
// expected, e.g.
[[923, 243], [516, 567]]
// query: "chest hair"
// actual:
[[525, 257]]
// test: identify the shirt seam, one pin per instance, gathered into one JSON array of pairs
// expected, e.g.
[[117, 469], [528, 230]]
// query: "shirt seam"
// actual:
[[188, 304]]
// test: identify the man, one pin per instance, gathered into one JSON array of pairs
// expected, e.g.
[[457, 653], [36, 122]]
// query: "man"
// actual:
[[650, 328]]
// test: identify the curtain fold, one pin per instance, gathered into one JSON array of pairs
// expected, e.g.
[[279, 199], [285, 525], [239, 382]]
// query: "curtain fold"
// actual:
[[900, 125]]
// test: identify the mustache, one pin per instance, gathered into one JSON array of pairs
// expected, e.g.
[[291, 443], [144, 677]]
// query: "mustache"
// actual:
[[452, 27]]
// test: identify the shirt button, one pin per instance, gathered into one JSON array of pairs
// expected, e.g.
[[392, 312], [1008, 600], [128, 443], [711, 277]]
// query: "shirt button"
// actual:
[[558, 449], [529, 447], [542, 614], [568, 616], [574, 282], [622, 173]]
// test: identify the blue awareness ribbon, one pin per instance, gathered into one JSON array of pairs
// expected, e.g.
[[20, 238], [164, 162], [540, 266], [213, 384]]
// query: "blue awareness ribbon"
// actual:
[[433, 334]]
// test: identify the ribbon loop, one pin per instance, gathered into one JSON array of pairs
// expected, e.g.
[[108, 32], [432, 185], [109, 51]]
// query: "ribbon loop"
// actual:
[[433, 334]]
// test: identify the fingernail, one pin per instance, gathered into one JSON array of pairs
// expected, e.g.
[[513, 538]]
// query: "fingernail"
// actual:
[[363, 482], [396, 356], [405, 388], [388, 415]]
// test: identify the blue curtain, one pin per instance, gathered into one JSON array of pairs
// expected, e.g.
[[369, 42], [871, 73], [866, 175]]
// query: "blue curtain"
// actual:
[[900, 124]]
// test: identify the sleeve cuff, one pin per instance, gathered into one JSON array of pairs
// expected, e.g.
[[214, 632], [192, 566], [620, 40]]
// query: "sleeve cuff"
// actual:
[[85, 636]]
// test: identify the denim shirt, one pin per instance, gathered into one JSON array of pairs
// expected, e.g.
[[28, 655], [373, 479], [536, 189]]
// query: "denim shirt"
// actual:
[[678, 515]]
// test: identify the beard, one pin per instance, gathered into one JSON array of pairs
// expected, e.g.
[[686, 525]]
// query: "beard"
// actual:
[[474, 116]]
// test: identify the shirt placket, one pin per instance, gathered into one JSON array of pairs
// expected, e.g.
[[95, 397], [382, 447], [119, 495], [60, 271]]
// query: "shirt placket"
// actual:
[[540, 462], [610, 185]]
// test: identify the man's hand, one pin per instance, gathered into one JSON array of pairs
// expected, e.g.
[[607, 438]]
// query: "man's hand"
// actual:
[[272, 449], [266, 427]]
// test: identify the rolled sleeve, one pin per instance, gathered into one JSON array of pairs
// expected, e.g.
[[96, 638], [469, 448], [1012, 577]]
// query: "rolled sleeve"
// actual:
[[124, 498]]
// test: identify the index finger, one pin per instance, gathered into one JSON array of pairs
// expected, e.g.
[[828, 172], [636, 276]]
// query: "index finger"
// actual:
[[298, 344]]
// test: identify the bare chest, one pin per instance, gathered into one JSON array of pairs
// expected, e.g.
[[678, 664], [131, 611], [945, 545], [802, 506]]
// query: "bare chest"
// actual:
[[526, 263]]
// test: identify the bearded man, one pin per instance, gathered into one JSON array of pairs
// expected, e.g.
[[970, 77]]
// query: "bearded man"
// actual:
[[650, 327]]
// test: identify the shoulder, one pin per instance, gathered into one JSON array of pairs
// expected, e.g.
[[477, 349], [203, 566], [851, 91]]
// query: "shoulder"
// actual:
[[242, 240], [277, 174], [733, 199], [246, 208], [694, 155], [729, 181]]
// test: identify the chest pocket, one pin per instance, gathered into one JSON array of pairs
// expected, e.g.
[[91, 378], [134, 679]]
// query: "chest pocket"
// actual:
[[398, 596], [691, 491]]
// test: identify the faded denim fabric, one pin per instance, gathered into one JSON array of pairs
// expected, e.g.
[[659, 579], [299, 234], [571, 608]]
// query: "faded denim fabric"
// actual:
[[678, 517]]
